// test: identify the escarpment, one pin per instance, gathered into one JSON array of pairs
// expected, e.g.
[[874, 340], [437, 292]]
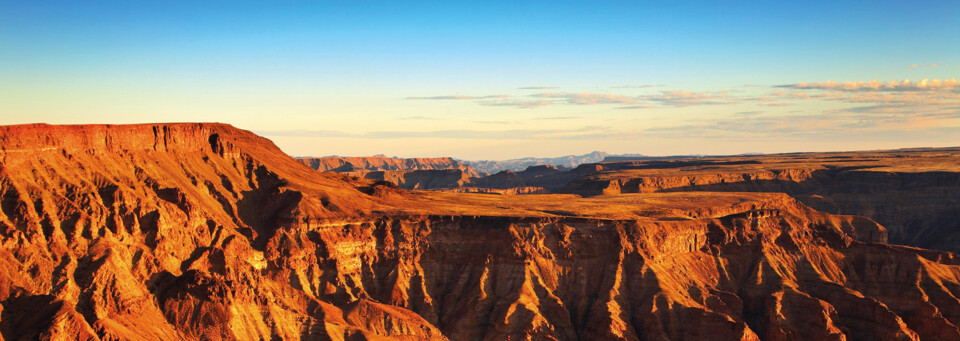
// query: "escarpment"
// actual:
[[914, 193], [155, 232], [413, 173], [204, 231], [382, 163]]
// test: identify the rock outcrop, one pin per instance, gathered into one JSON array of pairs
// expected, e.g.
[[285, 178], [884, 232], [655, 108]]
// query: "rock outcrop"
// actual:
[[382, 163], [914, 193], [413, 173], [422, 179], [204, 231]]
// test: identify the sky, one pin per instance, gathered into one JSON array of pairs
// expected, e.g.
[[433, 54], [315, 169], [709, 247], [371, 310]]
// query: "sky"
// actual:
[[497, 80]]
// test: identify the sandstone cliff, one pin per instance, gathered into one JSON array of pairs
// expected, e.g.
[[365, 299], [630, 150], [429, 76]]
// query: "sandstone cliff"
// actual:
[[915, 193], [382, 163], [413, 173], [203, 231]]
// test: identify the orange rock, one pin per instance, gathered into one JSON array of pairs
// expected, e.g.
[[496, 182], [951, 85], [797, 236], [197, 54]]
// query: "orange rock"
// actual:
[[204, 231]]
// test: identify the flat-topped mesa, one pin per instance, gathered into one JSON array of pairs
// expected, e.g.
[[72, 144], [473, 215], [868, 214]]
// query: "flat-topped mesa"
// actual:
[[180, 243], [911, 192], [382, 163], [192, 165], [613, 183], [412, 173], [173, 137]]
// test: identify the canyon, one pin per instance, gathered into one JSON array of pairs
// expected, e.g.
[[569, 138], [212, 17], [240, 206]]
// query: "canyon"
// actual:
[[445, 173], [204, 231], [412, 173], [913, 192]]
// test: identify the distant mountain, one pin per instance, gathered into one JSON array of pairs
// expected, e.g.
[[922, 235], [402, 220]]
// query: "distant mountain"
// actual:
[[204, 231], [516, 165]]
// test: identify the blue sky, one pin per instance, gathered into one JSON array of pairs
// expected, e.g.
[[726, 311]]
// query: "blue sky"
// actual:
[[497, 79]]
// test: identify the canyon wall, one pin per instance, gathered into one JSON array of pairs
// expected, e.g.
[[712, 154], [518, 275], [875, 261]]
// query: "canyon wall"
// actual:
[[204, 231], [917, 198], [412, 173]]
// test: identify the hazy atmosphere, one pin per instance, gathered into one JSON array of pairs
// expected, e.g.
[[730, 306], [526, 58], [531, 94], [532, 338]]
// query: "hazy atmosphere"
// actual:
[[497, 80]]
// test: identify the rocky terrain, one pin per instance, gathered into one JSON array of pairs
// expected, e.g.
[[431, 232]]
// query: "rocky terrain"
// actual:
[[414, 173], [444, 173], [914, 193], [382, 163], [204, 231]]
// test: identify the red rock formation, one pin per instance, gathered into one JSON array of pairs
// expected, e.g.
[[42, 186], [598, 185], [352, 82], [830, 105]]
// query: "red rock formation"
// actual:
[[414, 173], [912, 192], [203, 231], [154, 231], [378, 163], [419, 179], [506, 191]]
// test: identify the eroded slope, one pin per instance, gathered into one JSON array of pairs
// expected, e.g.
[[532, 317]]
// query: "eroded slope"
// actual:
[[190, 231], [915, 193]]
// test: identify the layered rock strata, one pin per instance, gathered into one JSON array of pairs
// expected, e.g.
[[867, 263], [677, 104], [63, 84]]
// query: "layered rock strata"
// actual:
[[203, 231], [916, 194]]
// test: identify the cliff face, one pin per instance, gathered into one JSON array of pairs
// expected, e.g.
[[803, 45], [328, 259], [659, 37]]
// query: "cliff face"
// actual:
[[423, 179], [377, 163], [156, 232], [414, 173], [915, 195], [189, 231]]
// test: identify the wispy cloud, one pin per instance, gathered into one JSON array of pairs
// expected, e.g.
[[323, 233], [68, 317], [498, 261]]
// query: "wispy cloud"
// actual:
[[672, 98], [637, 106], [517, 103], [927, 96], [642, 86], [874, 107], [906, 103], [875, 85], [538, 88], [805, 125], [588, 98], [913, 66], [457, 97], [676, 98]]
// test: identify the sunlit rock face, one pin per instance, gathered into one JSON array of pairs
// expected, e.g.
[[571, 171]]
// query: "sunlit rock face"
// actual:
[[914, 193], [412, 173], [204, 231]]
